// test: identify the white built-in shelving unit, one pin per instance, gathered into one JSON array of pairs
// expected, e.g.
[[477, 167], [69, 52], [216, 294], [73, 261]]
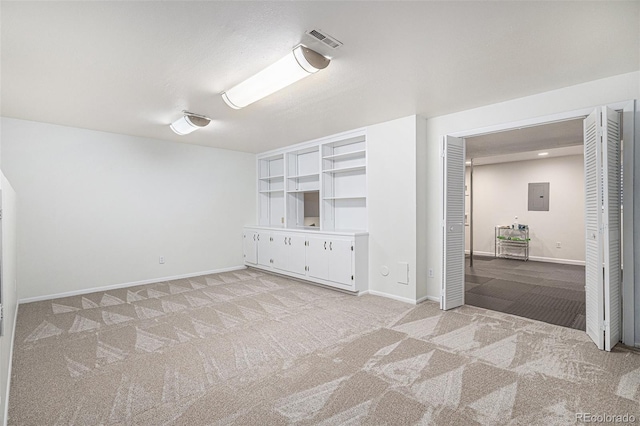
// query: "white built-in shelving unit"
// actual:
[[330, 172], [271, 190], [312, 212], [344, 177]]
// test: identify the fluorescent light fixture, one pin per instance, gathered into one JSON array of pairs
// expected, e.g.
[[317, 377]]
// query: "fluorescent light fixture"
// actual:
[[299, 63], [189, 122], [542, 154]]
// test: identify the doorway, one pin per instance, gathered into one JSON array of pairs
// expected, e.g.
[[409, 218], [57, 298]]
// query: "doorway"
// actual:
[[606, 293], [524, 223]]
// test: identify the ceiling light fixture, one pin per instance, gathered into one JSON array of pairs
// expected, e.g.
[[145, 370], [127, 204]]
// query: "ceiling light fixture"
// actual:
[[189, 122], [541, 154], [300, 63]]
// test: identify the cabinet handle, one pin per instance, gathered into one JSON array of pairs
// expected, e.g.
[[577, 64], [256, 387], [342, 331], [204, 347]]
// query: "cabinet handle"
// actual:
[[325, 245], [254, 237], [330, 245], [258, 237], [289, 240], [285, 241]]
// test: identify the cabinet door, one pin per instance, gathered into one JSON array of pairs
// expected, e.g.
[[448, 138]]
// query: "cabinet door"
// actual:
[[318, 258], [340, 261], [249, 245], [264, 248], [296, 259], [279, 252]]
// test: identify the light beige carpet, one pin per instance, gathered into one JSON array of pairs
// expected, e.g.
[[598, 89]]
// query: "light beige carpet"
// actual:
[[251, 348]]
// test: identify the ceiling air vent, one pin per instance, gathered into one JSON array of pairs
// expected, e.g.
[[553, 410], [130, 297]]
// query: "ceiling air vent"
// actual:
[[324, 38]]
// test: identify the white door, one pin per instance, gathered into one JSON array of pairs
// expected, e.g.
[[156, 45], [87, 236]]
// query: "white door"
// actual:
[[296, 256], [593, 223], [318, 258], [602, 220], [611, 225], [279, 252], [249, 245], [341, 262], [264, 249], [453, 233]]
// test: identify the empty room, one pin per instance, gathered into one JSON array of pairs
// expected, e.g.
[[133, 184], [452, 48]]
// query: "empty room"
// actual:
[[262, 213]]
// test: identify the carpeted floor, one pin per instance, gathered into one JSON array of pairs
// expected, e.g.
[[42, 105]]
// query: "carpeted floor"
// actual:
[[549, 292], [251, 348]]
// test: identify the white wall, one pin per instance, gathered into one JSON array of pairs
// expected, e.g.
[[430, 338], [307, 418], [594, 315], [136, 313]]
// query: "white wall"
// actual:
[[98, 209], [591, 94], [501, 192], [422, 272], [391, 204], [9, 295]]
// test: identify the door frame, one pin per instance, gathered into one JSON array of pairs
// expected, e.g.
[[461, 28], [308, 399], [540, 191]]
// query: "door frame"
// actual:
[[631, 128]]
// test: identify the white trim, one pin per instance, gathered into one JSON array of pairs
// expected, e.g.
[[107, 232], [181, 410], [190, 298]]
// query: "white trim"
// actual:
[[432, 298], [536, 121], [391, 296], [6, 393], [536, 258], [630, 123], [124, 285], [555, 260]]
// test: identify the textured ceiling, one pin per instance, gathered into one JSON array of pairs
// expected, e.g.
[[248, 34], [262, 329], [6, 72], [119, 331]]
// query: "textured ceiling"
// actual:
[[544, 137], [131, 67]]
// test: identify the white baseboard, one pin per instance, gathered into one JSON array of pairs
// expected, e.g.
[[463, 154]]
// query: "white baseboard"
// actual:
[[124, 285], [390, 296], [536, 258], [6, 393], [554, 260], [432, 298]]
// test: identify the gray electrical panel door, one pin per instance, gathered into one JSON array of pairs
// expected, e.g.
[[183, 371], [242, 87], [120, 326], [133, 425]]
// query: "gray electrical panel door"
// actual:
[[539, 196]]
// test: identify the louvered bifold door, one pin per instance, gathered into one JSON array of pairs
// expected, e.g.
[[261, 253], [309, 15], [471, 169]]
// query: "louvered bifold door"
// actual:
[[453, 244], [611, 225], [593, 225]]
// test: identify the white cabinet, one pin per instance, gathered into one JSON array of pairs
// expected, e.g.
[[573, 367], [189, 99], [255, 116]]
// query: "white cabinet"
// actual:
[[288, 252], [330, 258], [250, 246], [337, 259], [341, 261], [264, 245], [317, 258]]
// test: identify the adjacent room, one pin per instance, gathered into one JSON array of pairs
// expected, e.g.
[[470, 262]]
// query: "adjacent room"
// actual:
[[262, 213], [525, 207]]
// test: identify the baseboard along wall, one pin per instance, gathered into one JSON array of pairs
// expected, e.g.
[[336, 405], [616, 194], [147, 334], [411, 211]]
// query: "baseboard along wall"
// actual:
[[124, 285]]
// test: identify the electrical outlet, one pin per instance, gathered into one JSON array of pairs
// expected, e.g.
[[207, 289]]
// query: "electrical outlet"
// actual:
[[558, 244], [430, 272], [162, 260]]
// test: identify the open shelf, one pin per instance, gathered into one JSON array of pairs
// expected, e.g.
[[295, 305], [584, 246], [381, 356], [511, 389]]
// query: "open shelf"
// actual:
[[356, 197], [304, 175], [345, 169], [272, 177], [303, 190], [266, 191], [346, 155]]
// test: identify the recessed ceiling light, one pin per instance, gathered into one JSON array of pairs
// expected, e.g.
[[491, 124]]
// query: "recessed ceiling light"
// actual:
[[299, 63], [468, 162], [541, 154], [189, 122]]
